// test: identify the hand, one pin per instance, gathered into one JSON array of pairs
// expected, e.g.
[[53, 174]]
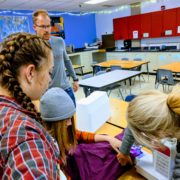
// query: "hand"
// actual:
[[75, 86], [115, 143], [124, 159]]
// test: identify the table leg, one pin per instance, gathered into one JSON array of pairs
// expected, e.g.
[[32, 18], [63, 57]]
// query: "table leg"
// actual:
[[147, 70]]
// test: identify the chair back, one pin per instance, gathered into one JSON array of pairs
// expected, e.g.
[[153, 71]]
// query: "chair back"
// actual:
[[87, 91], [87, 76], [115, 68], [137, 59], [125, 59], [130, 97], [96, 69], [100, 72], [139, 67], [164, 76]]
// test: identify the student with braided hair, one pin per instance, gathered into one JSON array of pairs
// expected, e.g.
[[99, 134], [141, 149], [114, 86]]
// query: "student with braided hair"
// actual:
[[152, 116], [27, 151]]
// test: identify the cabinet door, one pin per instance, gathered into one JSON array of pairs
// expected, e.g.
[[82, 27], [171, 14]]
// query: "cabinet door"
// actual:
[[156, 24], [123, 25], [146, 25], [134, 23], [178, 22], [169, 22], [120, 28], [116, 29]]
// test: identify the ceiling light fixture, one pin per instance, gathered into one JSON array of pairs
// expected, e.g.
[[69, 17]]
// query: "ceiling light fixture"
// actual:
[[95, 1]]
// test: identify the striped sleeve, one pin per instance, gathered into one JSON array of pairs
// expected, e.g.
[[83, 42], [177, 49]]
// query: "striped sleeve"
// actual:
[[84, 137]]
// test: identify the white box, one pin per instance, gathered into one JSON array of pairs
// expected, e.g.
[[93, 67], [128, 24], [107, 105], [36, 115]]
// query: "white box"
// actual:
[[93, 111]]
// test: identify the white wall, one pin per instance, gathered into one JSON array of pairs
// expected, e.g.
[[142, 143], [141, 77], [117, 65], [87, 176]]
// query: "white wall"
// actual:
[[150, 7], [104, 22]]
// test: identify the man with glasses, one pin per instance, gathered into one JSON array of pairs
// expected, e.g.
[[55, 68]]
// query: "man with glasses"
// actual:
[[42, 27]]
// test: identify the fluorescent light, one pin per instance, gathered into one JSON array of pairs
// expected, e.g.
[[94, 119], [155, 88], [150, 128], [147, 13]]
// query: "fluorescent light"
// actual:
[[95, 1]]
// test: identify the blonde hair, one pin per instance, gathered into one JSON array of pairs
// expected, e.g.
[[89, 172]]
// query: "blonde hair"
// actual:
[[65, 137], [153, 115], [37, 13]]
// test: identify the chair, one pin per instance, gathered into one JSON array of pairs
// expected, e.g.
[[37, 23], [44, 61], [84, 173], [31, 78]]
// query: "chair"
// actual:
[[138, 69], [87, 91], [96, 68], [115, 68], [100, 72], [130, 97], [125, 59], [164, 77], [112, 87]]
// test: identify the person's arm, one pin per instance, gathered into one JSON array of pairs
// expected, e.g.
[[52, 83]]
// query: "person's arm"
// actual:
[[88, 137], [127, 142], [70, 69], [31, 159], [114, 142]]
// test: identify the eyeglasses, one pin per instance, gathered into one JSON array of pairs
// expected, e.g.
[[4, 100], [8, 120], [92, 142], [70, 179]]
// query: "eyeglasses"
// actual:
[[43, 26]]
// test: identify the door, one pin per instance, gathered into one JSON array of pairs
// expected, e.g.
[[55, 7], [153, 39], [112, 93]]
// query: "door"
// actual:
[[134, 23], [178, 22], [169, 22], [156, 24], [146, 25]]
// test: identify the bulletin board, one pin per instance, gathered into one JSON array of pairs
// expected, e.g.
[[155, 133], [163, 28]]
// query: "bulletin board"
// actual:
[[57, 27]]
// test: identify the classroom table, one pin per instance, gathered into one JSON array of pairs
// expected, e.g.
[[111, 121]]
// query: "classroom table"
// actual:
[[174, 67], [103, 81], [118, 113], [78, 67], [130, 64]]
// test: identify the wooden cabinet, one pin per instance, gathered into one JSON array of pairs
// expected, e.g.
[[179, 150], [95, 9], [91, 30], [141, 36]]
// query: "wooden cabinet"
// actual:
[[146, 25], [178, 21], [134, 24], [120, 28], [156, 24], [169, 22], [163, 23], [116, 29]]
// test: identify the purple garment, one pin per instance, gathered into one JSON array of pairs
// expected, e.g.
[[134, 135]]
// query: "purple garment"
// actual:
[[96, 161]]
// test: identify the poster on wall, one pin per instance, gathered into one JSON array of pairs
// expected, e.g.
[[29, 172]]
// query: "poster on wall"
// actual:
[[13, 24], [57, 26]]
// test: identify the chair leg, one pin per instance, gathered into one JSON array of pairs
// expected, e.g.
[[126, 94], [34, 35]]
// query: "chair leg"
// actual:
[[120, 92]]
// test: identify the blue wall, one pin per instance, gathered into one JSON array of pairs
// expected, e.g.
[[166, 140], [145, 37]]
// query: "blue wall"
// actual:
[[78, 29]]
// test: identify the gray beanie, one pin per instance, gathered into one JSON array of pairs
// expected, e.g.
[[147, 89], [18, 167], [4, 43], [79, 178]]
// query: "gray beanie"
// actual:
[[56, 105]]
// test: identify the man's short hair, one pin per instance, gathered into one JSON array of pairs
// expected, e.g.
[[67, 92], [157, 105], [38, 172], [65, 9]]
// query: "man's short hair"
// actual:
[[37, 13]]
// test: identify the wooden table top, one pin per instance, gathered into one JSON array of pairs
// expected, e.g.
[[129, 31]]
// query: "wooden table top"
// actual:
[[124, 64], [174, 67], [76, 66], [118, 112]]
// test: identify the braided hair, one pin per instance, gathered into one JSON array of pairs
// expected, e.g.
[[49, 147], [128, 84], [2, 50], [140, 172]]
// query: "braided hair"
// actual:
[[16, 51]]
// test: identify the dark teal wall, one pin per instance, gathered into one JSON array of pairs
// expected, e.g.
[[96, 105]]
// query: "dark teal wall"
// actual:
[[78, 29]]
